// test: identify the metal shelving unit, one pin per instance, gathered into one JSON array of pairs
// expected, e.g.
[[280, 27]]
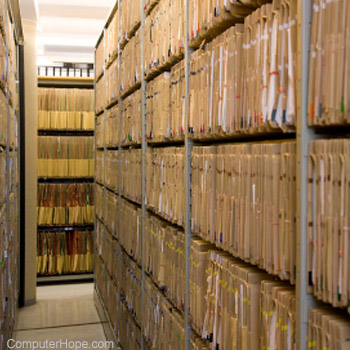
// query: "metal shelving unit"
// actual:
[[10, 264], [303, 136], [65, 82]]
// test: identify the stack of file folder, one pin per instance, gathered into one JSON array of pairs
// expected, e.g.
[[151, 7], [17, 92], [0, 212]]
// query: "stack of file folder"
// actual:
[[3, 118], [244, 201], [329, 80], [65, 204], [245, 79], [207, 18], [130, 18], [111, 212], [131, 174], [64, 252], [101, 98], [111, 39], [233, 301], [130, 70], [164, 34], [158, 108], [165, 187], [100, 166], [99, 131], [328, 223], [65, 109], [100, 58], [111, 170], [112, 80], [2, 178], [131, 119], [62, 156], [110, 128], [100, 202], [328, 329]]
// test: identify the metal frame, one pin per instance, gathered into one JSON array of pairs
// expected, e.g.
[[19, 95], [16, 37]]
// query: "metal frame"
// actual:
[[303, 136]]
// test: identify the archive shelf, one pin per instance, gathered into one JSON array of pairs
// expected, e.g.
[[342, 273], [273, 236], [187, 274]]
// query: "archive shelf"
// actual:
[[148, 9], [317, 130], [151, 279], [166, 143], [88, 277], [99, 77], [65, 82], [130, 145], [130, 90], [65, 180], [154, 72], [99, 113], [302, 134], [12, 35], [116, 192], [112, 104], [67, 228], [131, 201], [130, 34], [104, 317], [155, 213], [65, 133], [44, 132]]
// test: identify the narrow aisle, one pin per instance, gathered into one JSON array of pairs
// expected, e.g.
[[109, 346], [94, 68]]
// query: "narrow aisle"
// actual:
[[62, 312]]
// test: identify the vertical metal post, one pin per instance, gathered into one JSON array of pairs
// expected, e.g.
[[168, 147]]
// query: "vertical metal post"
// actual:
[[304, 135], [16, 131], [188, 150], [95, 171], [15, 201], [6, 258], [22, 250], [119, 164], [104, 154], [143, 164], [18, 143]]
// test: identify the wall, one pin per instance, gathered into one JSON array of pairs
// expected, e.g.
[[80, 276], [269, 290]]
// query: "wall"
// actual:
[[30, 88]]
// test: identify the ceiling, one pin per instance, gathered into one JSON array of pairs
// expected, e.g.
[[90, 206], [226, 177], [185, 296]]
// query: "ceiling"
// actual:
[[67, 30]]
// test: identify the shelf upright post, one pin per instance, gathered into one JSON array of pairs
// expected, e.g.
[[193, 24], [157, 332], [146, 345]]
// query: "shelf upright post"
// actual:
[[8, 161], [143, 165], [119, 164], [15, 186], [18, 172], [304, 300], [188, 150], [95, 166], [104, 145]]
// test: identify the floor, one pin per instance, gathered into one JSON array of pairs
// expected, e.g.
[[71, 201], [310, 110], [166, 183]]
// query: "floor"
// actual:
[[62, 312]]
